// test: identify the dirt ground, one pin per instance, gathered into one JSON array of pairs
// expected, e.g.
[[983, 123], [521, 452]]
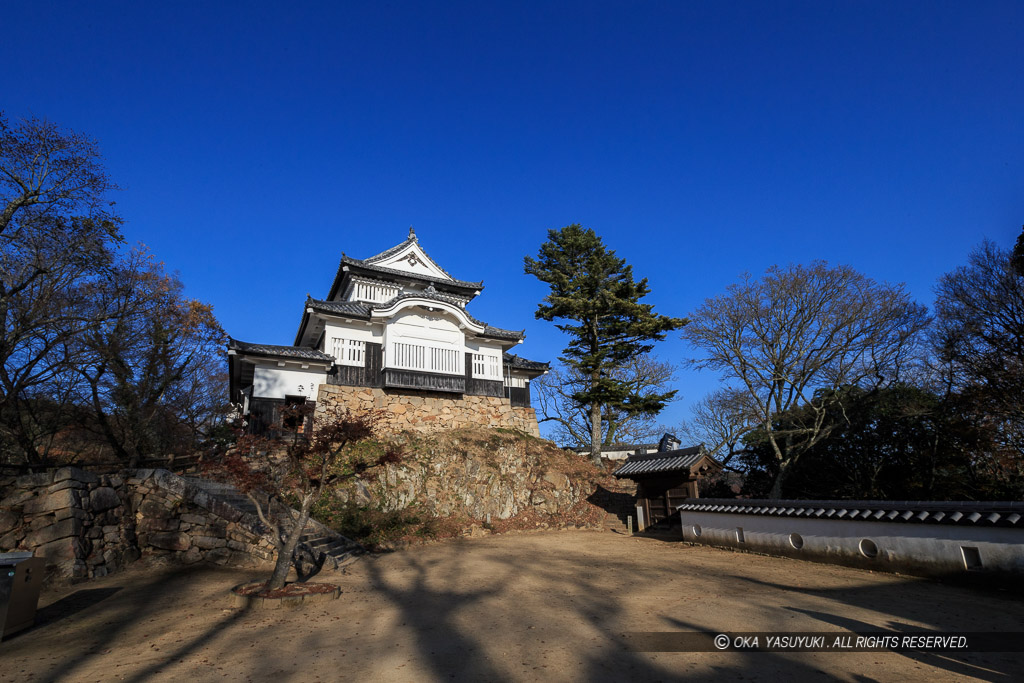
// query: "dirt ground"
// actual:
[[532, 607]]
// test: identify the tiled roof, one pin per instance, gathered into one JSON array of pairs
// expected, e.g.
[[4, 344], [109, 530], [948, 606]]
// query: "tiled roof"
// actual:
[[662, 462], [910, 512], [499, 333], [461, 284], [524, 364], [300, 352], [356, 309]]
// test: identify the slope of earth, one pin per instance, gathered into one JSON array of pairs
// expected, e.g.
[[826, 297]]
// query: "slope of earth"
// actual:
[[473, 481]]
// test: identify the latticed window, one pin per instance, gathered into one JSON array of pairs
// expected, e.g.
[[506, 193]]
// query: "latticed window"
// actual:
[[348, 351], [486, 366], [426, 358], [374, 292]]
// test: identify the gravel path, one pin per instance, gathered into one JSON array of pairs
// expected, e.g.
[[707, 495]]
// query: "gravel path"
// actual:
[[532, 607]]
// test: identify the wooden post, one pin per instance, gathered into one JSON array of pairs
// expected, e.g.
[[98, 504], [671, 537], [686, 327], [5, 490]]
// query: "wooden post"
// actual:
[[629, 524]]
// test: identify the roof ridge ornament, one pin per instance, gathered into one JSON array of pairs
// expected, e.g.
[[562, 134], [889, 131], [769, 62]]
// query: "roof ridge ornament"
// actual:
[[412, 234]]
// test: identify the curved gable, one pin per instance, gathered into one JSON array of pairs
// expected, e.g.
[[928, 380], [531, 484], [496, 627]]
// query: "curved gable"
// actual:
[[392, 309]]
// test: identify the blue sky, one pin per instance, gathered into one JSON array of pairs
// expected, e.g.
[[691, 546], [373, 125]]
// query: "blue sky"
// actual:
[[257, 141]]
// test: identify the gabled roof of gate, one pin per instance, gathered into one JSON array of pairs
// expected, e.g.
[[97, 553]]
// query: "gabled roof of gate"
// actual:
[[684, 460]]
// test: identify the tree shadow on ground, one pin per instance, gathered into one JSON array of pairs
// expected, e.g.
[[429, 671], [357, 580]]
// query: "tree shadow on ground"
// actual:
[[97, 618], [68, 606], [909, 607]]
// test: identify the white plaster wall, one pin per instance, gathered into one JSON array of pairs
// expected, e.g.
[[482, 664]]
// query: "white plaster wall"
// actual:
[[477, 346], [276, 382], [933, 549], [358, 330]]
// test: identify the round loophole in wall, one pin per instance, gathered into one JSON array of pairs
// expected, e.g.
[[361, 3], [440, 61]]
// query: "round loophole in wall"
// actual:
[[796, 540], [696, 530], [868, 548]]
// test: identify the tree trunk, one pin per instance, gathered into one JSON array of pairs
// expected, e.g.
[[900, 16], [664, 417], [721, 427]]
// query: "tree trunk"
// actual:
[[286, 551], [595, 433], [776, 492]]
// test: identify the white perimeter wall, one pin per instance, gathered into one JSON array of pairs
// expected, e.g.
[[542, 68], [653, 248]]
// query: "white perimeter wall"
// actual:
[[276, 382], [928, 549]]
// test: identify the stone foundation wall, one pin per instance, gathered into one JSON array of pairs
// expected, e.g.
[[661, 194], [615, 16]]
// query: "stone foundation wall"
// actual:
[[429, 412], [87, 525]]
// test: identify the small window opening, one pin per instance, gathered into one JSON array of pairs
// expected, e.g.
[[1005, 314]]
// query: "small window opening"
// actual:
[[972, 557], [739, 535], [868, 548], [796, 540]]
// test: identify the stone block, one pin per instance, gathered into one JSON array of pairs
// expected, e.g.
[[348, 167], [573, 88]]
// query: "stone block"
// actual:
[[8, 520], [104, 498], [29, 481], [169, 481], [158, 524], [75, 473], [209, 542], [192, 519], [154, 507], [62, 529], [67, 484], [218, 555], [140, 476], [17, 498], [62, 550], [11, 539], [41, 521], [170, 540], [65, 498]]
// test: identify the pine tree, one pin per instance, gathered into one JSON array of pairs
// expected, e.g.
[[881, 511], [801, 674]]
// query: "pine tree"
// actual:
[[593, 292]]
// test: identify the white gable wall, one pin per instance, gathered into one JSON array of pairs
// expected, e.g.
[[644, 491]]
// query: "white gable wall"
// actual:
[[272, 381], [412, 259]]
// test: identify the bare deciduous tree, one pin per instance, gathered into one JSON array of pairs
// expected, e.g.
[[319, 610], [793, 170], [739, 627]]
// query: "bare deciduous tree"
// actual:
[[720, 420], [796, 338], [643, 375], [147, 371], [57, 230], [978, 339]]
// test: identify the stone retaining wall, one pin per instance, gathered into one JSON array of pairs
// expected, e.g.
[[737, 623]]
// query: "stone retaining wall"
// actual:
[[87, 525], [429, 412]]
